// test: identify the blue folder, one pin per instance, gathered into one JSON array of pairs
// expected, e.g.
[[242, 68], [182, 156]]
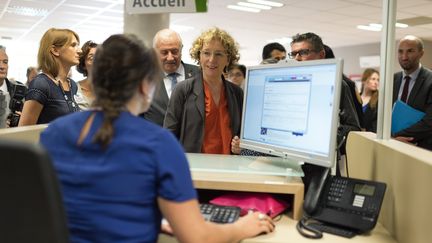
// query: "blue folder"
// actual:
[[404, 116]]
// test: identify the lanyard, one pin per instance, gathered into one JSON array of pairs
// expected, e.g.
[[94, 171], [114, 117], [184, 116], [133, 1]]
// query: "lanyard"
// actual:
[[73, 107]]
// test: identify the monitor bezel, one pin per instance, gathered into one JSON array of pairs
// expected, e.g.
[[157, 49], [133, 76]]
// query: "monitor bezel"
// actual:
[[292, 153]]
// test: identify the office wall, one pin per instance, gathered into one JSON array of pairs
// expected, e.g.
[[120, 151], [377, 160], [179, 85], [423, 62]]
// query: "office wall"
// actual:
[[352, 54]]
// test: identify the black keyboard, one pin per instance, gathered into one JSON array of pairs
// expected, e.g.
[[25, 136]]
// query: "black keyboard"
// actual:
[[333, 230], [220, 214]]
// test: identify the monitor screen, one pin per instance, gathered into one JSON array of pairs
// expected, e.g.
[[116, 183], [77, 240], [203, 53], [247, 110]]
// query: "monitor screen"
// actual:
[[291, 110]]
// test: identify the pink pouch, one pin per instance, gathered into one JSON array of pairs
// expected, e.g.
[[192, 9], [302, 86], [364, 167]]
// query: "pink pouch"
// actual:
[[262, 202]]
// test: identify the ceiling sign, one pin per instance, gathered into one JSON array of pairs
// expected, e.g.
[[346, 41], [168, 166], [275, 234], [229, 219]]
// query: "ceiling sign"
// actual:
[[165, 6]]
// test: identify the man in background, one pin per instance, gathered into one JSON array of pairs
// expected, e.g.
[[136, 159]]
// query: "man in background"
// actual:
[[413, 86], [168, 45], [273, 53], [6, 88], [352, 88], [309, 46], [31, 73]]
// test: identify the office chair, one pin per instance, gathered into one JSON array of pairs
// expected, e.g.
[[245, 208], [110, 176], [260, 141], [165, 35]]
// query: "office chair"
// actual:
[[31, 206]]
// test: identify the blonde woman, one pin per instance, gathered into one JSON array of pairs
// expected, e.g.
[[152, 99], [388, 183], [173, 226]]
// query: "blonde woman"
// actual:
[[52, 94], [204, 112], [369, 95]]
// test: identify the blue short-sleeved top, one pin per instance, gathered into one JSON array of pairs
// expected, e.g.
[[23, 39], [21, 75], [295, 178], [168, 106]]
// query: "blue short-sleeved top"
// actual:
[[111, 194], [50, 95]]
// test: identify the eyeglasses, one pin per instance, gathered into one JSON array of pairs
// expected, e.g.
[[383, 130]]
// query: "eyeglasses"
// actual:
[[216, 54], [302, 53]]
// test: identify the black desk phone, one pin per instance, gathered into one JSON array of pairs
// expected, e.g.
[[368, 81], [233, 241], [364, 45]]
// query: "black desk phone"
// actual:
[[340, 205]]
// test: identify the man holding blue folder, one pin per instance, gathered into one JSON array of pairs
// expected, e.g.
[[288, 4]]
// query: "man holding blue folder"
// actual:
[[413, 86]]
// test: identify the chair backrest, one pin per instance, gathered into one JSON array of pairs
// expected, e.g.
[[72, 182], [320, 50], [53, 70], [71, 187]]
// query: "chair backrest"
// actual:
[[31, 206]]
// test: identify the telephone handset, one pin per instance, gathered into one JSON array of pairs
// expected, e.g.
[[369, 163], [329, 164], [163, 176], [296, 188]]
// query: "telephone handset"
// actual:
[[343, 206], [316, 186]]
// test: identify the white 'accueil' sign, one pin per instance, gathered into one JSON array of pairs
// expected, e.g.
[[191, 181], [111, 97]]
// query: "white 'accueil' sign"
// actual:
[[165, 6]]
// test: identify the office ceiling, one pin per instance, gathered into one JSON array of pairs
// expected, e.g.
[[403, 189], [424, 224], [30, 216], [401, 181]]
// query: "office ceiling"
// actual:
[[334, 20]]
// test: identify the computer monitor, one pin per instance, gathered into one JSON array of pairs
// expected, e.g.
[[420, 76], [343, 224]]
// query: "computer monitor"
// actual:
[[291, 110]]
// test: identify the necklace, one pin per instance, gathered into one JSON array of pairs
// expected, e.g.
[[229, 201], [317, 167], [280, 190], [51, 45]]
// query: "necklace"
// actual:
[[72, 105]]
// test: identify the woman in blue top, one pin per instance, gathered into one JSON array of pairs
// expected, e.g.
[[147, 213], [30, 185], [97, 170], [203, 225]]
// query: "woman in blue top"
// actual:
[[52, 94], [120, 173]]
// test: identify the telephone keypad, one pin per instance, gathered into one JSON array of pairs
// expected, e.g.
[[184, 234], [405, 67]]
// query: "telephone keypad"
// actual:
[[337, 189]]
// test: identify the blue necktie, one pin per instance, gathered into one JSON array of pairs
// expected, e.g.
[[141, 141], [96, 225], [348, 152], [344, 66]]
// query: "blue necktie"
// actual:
[[173, 77]]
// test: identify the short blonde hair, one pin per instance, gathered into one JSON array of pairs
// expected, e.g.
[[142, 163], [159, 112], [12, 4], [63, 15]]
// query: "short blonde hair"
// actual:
[[231, 47], [53, 37]]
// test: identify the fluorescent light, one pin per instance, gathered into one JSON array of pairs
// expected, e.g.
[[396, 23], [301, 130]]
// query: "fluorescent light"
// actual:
[[24, 11], [378, 27], [253, 5], [375, 25], [241, 8], [368, 27], [268, 3], [400, 25]]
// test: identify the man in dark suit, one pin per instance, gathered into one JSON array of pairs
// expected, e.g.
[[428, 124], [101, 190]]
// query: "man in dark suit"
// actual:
[[414, 86], [168, 45]]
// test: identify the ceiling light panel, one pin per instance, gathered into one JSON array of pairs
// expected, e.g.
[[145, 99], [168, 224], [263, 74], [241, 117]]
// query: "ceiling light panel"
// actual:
[[268, 3], [253, 5], [27, 11], [368, 27], [246, 9]]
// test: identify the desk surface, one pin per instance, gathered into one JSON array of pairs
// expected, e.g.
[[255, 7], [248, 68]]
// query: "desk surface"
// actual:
[[286, 232]]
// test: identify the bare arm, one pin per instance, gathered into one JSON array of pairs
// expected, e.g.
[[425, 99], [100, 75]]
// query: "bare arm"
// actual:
[[189, 226], [30, 113]]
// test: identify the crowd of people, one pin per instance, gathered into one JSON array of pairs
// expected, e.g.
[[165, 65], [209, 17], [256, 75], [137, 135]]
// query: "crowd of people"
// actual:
[[115, 150]]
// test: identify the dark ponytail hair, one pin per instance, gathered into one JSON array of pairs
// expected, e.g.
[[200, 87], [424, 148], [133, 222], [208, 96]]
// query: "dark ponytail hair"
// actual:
[[121, 64]]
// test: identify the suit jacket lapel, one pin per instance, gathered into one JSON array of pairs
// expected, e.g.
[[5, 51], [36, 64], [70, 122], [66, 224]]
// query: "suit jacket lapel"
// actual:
[[198, 91], [161, 95], [188, 71], [417, 85]]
